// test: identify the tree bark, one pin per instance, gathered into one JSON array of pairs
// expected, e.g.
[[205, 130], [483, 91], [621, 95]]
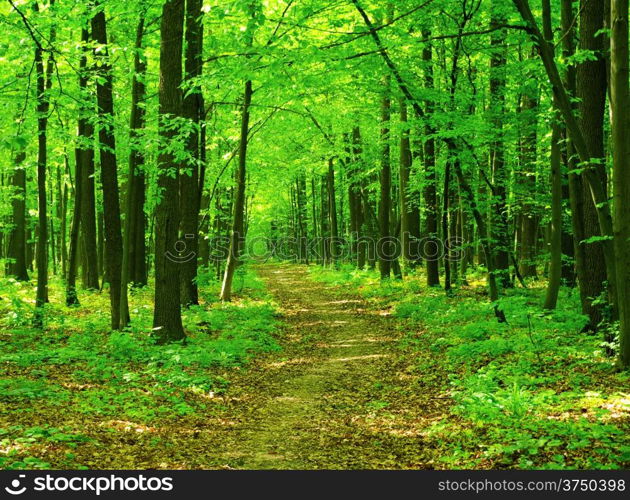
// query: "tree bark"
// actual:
[[591, 93], [555, 263], [189, 181], [590, 174], [237, 235], [430, 190], [620, 105], [409, 212], [109, 170], [17, 238], [167, 319], [81, 154], [44, 83], [499, 225], [385, 203]]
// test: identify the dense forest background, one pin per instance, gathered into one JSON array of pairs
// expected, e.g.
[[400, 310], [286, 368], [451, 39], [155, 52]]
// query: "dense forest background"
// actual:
[[461, 164]]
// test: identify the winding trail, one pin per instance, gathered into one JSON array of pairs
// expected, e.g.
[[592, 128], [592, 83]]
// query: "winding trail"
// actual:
[[341, 394]]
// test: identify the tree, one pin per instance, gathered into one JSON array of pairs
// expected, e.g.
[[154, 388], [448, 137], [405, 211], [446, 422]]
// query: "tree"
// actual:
[[167, 319], [620, 103], [44, 84], [109, 171], [189, 181], [238, 223], [17, 239]]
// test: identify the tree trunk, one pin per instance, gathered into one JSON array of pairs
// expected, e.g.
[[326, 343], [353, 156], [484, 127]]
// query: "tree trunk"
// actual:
[[82, 155], [236, 237], [332, 213], [620, 105], [591, 92], [109, 170], [189, 181], [384, 206], [44, 83], [133, 216], [409, 213], [167, 319], [357, 152], [17, 238], [590, 174], [431, 246], [555, 262], [499, 226]]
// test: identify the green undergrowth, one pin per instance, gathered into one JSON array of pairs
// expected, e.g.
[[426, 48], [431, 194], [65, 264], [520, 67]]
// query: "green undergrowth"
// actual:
[[533, 393], [76, 370]]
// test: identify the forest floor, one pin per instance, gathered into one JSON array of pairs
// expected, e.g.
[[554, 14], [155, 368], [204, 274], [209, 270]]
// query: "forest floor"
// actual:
[[311, 368], [320, 402]]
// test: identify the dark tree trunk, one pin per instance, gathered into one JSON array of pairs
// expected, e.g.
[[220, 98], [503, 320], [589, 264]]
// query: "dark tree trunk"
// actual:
[[591, 92], [17, 238], [332, 213], [357, 189], [44, 83], [409, 212], [302, 215], [499, 226], [109, 171], [83, 154], [134, 220], [385, 204], [430, 250], [167, 319], [189, 181], [93, 253]]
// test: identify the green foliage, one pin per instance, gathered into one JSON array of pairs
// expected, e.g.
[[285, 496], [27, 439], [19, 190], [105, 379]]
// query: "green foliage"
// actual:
[[533, 393], [78, 367]]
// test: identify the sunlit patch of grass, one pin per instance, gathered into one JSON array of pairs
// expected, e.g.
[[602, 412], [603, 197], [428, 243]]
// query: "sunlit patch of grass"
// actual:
[[533, 393], [77, 369]]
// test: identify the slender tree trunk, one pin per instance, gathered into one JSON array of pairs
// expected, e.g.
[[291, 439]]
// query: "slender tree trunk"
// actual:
[[89, 233], [167, 319], [302, 219], [332, 213], [499, 224], [555, 263], [133, 220], [430, 191], [82, 155], [409, 213], [384, 207], [189, 182], [528, 220], [44, 83], [237, 235], [573, 186], [109, 170], [357, 152], [446, 196]]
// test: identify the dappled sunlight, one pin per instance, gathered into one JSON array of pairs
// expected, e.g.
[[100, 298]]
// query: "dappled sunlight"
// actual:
[[357, 358], [289, 362]]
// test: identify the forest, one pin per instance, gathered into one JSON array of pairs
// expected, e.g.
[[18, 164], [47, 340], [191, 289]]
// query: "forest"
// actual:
[[308, 234]]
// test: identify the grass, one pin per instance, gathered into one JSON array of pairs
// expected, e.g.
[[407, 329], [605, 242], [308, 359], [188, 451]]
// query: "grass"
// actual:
[[534, 393], [76, 374]]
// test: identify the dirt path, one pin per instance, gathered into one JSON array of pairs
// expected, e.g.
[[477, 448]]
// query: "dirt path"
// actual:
[[340, 395]]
